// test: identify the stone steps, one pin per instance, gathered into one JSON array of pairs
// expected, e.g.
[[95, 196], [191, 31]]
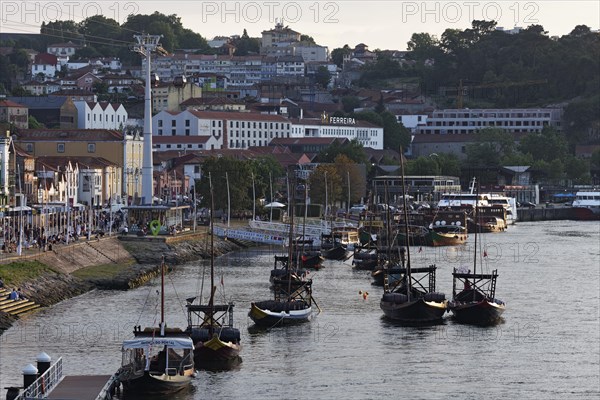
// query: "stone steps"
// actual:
[[15, 307]]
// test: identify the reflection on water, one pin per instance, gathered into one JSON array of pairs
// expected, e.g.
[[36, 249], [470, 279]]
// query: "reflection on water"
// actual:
[[545, 348]]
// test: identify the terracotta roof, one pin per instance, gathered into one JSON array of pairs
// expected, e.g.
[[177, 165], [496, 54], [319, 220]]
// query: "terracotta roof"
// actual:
[[180, 139], [51, 135], [238, 116], [306, 141], [83, 162], [455, 137], [199, 101], [9, 103]]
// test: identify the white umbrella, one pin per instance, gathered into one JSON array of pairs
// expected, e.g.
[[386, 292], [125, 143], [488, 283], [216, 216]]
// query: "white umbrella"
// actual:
[[274, 204]]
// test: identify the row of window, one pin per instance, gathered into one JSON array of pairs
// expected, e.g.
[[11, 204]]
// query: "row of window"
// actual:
[[60, 147], [112, 118], [489, 123]]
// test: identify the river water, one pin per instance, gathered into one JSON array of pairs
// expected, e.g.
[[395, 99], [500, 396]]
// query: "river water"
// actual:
[[546, 348]]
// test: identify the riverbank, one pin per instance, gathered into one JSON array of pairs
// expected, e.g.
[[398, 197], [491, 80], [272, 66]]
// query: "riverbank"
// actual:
[[115, 263]]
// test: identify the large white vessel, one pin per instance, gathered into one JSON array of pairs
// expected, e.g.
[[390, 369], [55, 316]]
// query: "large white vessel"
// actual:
[[586, 205], [481, 200]]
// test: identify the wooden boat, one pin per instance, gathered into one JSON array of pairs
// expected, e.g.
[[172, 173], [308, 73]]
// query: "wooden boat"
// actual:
[[158, 360], [475, 303], [216, 340], [292, 302], [332, 247], [411, 299], [448, 227], [157, 365], [306, 254], [448, 235]]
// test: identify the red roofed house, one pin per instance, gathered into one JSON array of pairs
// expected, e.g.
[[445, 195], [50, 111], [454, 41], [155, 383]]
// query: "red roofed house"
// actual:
[[45, 64]]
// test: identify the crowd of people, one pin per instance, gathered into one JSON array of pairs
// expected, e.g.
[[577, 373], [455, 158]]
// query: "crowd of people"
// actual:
[[53, 233]]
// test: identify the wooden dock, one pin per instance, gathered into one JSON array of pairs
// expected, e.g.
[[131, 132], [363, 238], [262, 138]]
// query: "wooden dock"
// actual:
[[80, 387]]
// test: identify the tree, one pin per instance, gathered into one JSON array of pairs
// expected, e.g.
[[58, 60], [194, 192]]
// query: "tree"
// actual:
[[353, 150], [265, 169], [353, 175], [246, 45], [307, 39], [578, 170], [33, 123], [422, 46], [395, 135], [325, 172], [323, 76], [240, 180], [349, 103], [423, 166], [337, 55], [547, 145]]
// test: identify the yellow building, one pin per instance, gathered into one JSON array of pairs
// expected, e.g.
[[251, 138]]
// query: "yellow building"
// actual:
[[122, 150], [168, 97]]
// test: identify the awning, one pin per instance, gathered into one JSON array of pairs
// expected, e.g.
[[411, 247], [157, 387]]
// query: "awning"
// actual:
[[146, 342], [275, 204]]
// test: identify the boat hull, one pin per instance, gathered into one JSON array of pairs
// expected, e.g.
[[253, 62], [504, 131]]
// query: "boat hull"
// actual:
[[482, 312], [335, 253], [416, 311], [156, 384], [216, 354], [268, 318], [443, 239], [586, 214]]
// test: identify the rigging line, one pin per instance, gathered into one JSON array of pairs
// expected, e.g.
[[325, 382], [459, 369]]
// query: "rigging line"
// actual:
[[84, 18], [177, 294], [143, 307], [75, 35], [89, 41]]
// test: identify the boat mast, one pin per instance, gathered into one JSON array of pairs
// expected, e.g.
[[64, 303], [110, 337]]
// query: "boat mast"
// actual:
[[292, 204], [212, 256], [476, 227], [405, 208], [162, 297]]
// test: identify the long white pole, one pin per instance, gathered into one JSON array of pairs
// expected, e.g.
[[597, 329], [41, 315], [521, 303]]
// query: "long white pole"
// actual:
[[348, 208], [20, 246], [228, 201], [147, 184], [271, 184], [253, 199], [326, 197]]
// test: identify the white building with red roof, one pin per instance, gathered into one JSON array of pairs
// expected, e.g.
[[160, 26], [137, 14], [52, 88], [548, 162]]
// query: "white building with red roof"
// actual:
[[232, 130]]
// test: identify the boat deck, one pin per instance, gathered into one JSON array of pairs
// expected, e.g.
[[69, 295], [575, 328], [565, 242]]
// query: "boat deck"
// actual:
[[82, 387]]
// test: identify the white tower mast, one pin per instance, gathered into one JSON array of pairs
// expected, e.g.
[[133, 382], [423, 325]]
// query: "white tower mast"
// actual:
[[146, 44]]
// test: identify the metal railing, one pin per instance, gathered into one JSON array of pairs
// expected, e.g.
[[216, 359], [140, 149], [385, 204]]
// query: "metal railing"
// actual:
[[43, 385]]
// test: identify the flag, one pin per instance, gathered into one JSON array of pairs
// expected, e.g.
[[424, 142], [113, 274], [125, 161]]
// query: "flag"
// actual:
[[485, 253], [222, 283], [420, 249]]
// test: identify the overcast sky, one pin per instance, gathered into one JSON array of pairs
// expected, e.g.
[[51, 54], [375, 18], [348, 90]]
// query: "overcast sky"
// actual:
[[384, 24]]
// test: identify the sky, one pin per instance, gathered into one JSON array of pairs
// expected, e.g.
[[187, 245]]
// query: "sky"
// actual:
[[381, 24]]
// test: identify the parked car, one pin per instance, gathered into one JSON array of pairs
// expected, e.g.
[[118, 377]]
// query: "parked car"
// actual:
[[526, 204]]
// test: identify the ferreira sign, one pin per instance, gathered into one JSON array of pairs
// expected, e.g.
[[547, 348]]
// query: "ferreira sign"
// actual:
[[326, 119]]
